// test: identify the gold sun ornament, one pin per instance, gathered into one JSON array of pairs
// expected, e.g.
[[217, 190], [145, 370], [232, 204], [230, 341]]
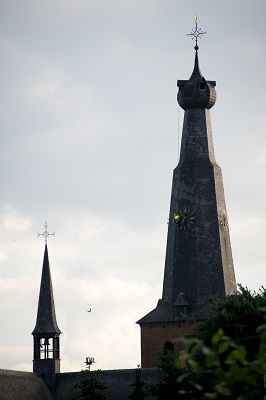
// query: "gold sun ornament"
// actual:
[[184, 219]]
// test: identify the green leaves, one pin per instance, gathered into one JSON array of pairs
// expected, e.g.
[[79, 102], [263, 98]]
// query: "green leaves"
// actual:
[[91, 386], [220, 372], [238, 315], [225, 358]]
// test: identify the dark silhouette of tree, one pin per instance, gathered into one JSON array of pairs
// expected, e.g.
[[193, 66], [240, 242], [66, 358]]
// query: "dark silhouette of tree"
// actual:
[[139, 392], [239, 316], [167, 386], [91, 387]]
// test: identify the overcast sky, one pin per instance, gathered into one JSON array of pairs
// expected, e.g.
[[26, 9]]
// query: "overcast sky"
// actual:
[[90, 132]]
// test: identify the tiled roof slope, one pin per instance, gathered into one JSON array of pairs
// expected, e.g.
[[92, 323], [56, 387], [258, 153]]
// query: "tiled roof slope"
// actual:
[[17, 385]]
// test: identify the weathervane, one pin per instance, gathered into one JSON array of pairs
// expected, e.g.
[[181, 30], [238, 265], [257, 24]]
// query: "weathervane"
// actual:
[[196, 33], [89, 361], [45, 234]]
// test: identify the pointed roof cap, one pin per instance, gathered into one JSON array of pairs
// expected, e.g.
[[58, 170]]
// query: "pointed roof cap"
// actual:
[[46, 318], [196, 92]]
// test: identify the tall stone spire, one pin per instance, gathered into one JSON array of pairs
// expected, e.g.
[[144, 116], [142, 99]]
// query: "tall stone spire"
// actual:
[[46, 353], [198, 257], [199, 265]]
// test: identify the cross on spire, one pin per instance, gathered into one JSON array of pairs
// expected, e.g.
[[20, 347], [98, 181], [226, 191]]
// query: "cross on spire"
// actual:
[[45, 234], [196, 33]]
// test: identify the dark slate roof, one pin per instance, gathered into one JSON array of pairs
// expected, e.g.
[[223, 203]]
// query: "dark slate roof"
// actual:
[[119, 383], [46, 318], [165, 312], [17, 385]]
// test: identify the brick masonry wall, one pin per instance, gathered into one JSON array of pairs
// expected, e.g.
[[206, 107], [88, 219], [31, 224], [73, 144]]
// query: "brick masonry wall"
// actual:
[[155, 335]]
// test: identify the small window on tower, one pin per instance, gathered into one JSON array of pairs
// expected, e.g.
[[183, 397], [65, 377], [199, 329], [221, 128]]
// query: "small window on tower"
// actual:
[[201, 85]]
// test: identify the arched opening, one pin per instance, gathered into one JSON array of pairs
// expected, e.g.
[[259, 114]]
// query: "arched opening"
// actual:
[[168, 347], [46, 348]]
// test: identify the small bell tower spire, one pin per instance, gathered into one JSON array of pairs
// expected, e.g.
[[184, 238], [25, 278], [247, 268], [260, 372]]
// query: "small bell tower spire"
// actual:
[[46, 346]]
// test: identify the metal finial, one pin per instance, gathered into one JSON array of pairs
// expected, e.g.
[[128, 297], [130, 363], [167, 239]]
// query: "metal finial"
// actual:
[[196, 33], [45, 234]]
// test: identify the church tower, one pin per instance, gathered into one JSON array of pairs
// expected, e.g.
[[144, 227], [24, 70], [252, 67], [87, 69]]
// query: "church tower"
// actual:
[[199, 265], [46, 346]]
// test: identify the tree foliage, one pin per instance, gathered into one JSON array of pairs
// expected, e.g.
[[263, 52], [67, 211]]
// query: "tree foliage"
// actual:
[[91, 387], [239, 316], [224, 358], [222, 372], [167, 386], [138, 392]]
